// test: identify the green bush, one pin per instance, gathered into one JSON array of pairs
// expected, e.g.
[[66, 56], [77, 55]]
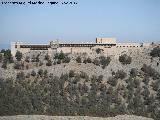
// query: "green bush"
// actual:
[[1, 57], [89, 60], [49, 63], [47, 57], [71, 73], [100, 78], [84, 75], [96, 62], [28, 75], [155, 52], [124, 59], [18, 65], [33, 73], [66, 60], [98, 50], [27, 59], [60, 56], [40, 72], [120, 74], [20, 76], [133, 72], [78, 59], [105, 61], [150, 71], [58, 61], [8, 56], [18, 56], [33, 58], [4, 65], [2, 51], [112, 81]]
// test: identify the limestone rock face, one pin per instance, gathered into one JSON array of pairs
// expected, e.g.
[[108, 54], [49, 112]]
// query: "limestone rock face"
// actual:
[[43, 117]]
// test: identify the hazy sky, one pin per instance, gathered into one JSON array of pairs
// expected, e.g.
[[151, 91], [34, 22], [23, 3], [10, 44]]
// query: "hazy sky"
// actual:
[[127, 20]]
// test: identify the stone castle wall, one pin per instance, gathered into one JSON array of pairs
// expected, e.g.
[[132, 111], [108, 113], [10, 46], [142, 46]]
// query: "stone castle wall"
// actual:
[[116, 50]]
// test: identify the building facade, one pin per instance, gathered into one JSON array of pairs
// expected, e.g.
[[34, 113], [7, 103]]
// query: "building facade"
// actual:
[[108, 45]]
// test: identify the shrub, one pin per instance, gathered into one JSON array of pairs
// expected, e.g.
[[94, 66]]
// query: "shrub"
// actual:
[[133, 72], [76, 79], [20, 76], [40, 63], [136, 83], [45, 72], [66, 60], [33, 73], [146, 79], [47, 57], [61, 56], [104, 61], [49, 63], [85, 61], [78, 59], [37, 58], [8, 56], [89, 60], [4, 65], [1, 57], [27, 66], [84, 75], [64, 77], [96, 62], [146, 92], [113, 73], [120, 74], [2, 51], [124, 59], [93, 78], [100, 78], [40, 72], [156, 85], [150, 71], [17, 65], [112, 81], [98, 50], [155, 52], [33, 58], [27, 59], [18, 56], [28, 75], [71, 73], [58, 61]]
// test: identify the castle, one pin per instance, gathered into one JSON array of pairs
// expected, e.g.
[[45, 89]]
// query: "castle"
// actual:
[[109, 46]]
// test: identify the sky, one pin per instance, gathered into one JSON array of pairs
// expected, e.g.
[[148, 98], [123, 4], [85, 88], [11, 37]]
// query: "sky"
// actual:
[[126, 20]]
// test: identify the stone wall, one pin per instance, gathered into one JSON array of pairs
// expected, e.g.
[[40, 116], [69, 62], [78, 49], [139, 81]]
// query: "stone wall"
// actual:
[[106, 50]]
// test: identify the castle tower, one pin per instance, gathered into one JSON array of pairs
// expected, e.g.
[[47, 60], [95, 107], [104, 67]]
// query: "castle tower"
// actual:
[[15, 46], [54, 45]]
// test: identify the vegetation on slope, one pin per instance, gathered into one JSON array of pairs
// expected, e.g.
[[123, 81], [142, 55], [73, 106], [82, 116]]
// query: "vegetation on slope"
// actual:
[[39, 92], [79, 94]]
